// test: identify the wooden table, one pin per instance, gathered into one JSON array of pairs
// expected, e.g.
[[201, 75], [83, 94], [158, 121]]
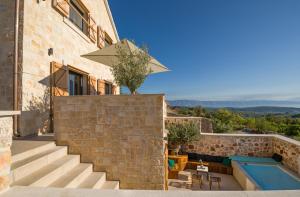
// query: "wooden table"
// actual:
[[203, 170]]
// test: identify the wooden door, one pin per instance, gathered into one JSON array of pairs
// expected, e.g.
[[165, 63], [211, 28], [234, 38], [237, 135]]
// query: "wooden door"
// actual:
[[59, 76]]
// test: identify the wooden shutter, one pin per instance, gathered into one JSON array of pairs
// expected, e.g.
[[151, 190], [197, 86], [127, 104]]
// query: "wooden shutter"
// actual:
[[62, 6], [100, 37], [92, 29], [100, 87], [92, 87], [59, 79]]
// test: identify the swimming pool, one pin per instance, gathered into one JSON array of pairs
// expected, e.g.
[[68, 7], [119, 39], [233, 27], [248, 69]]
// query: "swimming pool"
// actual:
[[270, 177]]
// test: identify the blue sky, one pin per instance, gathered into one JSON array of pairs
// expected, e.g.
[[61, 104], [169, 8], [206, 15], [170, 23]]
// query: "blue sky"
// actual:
[[217, 49]]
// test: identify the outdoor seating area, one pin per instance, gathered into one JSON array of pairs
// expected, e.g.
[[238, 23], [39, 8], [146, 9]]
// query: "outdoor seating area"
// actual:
[[200, 172], [199, 182]]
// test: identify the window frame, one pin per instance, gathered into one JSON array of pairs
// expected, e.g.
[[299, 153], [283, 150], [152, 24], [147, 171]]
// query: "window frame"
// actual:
[[83, 12], [75, 93], [110, 84], [84, 78], [107, 39]]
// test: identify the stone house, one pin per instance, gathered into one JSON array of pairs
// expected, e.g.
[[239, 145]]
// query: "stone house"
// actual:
[[53, 34]]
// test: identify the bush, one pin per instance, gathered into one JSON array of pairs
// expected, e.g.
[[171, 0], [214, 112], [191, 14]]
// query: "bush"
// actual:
[[292, 130], [221, 127]]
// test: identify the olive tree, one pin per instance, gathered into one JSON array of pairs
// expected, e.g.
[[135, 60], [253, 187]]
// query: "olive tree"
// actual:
[[132, 68], [181, 134]]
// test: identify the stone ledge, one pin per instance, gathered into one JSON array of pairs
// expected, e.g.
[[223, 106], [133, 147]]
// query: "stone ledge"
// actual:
[[41, 192], [255, 135]]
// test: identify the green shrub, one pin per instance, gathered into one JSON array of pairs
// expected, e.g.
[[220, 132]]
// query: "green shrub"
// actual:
[[292, 130]]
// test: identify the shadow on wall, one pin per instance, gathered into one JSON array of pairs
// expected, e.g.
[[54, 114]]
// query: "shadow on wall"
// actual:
[[36, 117]]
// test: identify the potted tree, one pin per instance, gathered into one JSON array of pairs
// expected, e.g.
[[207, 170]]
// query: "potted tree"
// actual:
[[180, 134], [132, 68]]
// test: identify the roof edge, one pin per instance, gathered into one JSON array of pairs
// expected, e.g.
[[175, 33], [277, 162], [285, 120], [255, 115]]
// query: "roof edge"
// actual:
[[111, 19]]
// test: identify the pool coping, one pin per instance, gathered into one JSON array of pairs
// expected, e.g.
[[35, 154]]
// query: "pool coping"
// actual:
[[246, 177]]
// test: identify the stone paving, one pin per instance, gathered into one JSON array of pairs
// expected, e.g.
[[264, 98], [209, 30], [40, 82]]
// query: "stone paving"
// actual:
[[52, 192], [228, 183]]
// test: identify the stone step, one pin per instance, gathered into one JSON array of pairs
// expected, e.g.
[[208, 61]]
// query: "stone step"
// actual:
[[22, 168], [110, 185], [32, 151], [94, 180], [50, 173], [74, 177]]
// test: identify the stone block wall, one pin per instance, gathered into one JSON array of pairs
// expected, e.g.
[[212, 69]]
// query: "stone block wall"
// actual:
[[249, 145], [6, 131], [290, 151], [204, 124], [122, 135], [7, 13], [227, 145]]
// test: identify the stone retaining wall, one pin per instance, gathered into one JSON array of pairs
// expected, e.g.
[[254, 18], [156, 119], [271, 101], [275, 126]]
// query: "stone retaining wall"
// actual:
[[120, 134], [6, 132], [249, 145], [204, 124], [290, 151]]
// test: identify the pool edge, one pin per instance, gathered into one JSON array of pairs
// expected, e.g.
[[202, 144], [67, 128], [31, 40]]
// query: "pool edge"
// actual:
[[242, 177]]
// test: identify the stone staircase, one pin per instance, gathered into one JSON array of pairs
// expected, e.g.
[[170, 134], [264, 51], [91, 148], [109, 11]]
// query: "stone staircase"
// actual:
[[48, 165]]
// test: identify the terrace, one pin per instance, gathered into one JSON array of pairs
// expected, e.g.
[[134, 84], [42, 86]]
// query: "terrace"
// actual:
[[128, 144]]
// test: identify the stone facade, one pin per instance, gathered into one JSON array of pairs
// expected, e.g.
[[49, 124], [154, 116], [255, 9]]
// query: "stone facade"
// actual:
[[6, 131], [41, 28], [120, 134], [249, 145], [204, 124]]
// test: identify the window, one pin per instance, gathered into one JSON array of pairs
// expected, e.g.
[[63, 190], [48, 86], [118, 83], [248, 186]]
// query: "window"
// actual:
[[108, 41], [75, 84], [108, 88], [78, 15]]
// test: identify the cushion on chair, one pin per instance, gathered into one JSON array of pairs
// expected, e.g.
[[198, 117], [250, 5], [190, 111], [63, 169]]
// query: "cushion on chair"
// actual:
[[227, 161], [171, 163]]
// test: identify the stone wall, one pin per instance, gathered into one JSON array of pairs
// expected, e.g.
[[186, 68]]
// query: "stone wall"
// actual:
[[7, 13], [227, 145], [290, 151], [6, 131], [120, 134], [204, 124], [249, 145]]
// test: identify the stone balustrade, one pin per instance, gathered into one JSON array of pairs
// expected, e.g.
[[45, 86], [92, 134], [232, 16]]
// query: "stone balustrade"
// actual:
[[6, 132]]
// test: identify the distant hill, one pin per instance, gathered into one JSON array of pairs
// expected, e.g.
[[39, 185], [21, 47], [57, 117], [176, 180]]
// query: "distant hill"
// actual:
[[234, 104], [267, 110], [246, 107]]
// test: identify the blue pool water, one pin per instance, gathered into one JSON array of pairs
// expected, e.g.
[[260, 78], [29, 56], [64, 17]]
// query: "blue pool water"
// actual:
[[271, 177]]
